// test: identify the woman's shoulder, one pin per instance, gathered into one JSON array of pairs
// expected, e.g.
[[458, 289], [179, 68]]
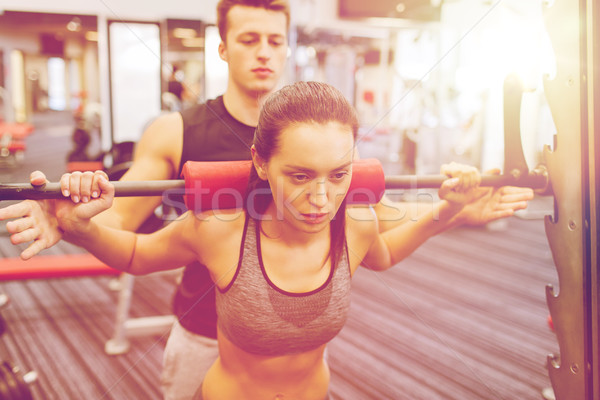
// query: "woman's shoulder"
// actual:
[[212, 237], [214, 230], [361, 220], [219, 222], [219, 219], [361, 231]]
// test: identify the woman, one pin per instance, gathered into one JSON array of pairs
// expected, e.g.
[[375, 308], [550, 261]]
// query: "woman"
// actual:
[[282, 265]]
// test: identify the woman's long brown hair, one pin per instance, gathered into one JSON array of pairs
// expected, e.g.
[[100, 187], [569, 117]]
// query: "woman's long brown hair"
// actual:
[[301, 102]]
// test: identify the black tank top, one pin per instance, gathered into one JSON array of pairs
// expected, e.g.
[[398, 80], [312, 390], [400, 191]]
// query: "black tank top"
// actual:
[[210, 133]]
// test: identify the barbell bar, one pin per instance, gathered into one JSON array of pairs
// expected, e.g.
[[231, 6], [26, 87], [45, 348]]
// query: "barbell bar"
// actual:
[[51, 190], [210, 178]]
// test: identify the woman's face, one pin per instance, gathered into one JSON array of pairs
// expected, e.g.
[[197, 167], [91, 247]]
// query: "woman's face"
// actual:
[[309, 174]]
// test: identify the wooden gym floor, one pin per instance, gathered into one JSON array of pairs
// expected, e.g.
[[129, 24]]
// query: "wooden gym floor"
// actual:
[[463, 318]]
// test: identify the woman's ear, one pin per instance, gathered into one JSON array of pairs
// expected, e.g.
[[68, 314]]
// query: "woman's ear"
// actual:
[[259, 164]]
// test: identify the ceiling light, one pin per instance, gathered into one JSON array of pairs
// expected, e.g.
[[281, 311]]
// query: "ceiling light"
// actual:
[[193, 42], [183, 33], [92, 36], [74, 25]]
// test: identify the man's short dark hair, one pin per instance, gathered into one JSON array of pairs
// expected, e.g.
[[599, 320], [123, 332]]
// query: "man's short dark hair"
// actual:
[[224, 6]]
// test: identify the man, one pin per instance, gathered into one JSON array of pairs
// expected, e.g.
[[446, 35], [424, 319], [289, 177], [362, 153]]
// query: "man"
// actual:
[[254, 44]]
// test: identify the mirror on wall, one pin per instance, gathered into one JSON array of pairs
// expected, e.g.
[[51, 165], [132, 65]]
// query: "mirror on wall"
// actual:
[[184, 64], [135, 84], [59, 62]]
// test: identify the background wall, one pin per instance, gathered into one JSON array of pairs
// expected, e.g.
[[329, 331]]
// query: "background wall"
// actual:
[[435, 89], [119, 9]]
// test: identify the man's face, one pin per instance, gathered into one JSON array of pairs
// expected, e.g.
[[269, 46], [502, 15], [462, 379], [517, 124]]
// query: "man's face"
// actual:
[[255, 48]]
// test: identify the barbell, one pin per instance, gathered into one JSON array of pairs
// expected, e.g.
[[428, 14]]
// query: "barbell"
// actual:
[[222, 184]]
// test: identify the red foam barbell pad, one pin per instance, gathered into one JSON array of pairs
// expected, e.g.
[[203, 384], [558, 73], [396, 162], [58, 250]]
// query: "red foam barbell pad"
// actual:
[[222, 184], [73, 166]]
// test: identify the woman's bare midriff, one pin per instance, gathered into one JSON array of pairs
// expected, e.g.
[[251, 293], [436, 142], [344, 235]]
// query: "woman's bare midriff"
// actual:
[[240, 375]]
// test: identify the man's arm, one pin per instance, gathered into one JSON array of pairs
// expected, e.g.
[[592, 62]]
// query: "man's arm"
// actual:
[[157, 157], [392, 246], [494, 203]]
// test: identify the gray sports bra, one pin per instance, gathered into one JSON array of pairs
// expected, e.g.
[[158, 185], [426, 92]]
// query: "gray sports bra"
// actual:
[[261, 318]]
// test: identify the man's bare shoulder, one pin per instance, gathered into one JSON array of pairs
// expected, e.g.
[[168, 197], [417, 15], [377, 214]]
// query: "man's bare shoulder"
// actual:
[[164, 129], [161, 145]]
